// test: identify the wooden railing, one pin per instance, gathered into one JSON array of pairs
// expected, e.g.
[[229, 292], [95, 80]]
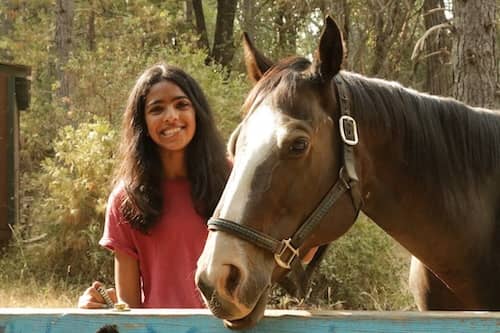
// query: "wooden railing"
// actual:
[[23, 320]]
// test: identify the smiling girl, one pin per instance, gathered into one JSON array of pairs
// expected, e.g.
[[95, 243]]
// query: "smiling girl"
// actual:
[[172, 172]]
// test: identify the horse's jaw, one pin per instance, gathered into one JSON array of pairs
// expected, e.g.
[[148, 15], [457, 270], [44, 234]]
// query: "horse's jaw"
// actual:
[[252, 318], [237, 316]]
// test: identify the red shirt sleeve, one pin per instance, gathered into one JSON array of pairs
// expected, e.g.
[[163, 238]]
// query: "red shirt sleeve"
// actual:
[[118, 235]]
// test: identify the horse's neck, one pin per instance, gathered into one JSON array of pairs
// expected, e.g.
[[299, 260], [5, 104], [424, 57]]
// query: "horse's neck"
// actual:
[[405, 208]]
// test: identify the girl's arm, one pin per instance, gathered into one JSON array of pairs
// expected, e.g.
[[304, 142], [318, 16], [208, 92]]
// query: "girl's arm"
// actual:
[[127, 279]]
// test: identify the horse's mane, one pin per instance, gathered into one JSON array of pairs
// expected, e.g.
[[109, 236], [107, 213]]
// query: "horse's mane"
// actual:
[[448, 147]]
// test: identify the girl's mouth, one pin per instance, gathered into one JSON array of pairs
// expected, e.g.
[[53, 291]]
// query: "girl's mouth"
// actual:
[[170, 132]]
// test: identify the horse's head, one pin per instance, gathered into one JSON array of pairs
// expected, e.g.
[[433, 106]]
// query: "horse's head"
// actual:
[[287, 156]]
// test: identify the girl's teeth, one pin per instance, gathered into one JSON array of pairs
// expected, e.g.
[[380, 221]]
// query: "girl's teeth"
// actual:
[[170, 132]]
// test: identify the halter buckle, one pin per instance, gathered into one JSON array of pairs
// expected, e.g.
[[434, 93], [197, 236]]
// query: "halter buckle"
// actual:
[[348, 130], [286, 244]]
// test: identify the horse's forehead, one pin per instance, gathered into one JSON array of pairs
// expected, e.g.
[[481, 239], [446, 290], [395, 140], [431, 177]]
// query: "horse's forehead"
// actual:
[[266, 124], [258, 137]]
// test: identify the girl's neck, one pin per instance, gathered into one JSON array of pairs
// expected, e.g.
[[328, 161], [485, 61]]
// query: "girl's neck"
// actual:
[[174, 164]]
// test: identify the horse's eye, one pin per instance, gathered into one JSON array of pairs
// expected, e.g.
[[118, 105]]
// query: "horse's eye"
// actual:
[[298, 146]]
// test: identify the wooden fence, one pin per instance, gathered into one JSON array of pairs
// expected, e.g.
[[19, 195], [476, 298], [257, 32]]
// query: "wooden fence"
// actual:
[[17, 320]]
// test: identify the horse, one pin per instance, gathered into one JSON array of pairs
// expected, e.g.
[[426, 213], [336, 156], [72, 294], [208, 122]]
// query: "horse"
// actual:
[[316, 146]]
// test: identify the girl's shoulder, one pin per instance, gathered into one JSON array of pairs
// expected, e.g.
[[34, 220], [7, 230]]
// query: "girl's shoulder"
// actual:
[[117, 194]]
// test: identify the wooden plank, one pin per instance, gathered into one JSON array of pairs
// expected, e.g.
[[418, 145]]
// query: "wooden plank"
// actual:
[[15, 69], [14, 320]]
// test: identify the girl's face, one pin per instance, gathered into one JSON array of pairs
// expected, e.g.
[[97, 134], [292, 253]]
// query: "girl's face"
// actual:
[[170, 117]]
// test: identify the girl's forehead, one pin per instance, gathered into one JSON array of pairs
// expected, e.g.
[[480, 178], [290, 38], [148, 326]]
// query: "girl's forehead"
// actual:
[[164, 89]]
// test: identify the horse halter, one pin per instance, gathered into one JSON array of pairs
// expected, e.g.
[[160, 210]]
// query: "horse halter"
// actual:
[[287, 250]]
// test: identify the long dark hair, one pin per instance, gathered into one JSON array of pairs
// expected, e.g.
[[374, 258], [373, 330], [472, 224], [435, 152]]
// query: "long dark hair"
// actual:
[[140, 169]]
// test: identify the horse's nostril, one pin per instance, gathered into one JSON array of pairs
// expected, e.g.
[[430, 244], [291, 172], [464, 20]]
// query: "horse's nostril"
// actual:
[[205, 289], [233, 279]]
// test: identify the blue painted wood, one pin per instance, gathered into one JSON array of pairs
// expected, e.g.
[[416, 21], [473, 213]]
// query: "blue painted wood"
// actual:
[[194, 321]]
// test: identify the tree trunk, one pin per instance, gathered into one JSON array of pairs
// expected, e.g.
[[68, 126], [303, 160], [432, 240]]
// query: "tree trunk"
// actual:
[[91, 27], [188, 10], [474, 66], [201, 27], [63, 42], [437, 48], [286, 33], [223, 48], [390, 18], [248, 17]]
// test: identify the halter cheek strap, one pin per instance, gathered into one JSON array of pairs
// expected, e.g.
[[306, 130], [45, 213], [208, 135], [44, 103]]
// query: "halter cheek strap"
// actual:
[[286, 251]]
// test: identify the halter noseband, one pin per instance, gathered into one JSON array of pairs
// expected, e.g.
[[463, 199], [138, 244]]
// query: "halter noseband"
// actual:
[[287, 250]]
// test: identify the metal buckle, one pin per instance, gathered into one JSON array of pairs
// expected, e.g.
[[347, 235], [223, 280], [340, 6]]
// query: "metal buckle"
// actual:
[[349, 137], [286, 244]]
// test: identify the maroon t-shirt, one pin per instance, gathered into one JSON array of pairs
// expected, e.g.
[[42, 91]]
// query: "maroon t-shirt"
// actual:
[[167, 255]]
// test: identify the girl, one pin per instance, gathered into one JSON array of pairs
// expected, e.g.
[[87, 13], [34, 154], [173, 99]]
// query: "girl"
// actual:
[[172, 173]]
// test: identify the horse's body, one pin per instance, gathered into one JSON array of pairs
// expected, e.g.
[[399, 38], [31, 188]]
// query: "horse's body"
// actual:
[[426, 171]]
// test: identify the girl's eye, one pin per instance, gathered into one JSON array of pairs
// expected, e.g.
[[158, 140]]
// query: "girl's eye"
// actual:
[[183, 105], [298, 146], [155, 110]]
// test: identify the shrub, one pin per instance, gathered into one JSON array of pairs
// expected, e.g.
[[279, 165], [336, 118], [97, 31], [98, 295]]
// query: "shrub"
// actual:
[[69, 207], [362, 270]]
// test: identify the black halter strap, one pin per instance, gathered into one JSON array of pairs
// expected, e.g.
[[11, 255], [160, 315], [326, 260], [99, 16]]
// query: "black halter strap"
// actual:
[[286, 251]]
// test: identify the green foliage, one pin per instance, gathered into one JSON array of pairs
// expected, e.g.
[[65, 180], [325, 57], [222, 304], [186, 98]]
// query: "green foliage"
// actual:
[[70, 210], [364, 270]]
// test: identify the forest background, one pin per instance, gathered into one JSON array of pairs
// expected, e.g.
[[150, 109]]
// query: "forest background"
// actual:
[[86, 55]]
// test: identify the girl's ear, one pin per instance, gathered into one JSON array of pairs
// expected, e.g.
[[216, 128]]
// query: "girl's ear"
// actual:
[[256, 63]]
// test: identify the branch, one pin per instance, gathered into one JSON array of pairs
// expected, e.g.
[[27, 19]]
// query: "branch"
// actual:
[[420, 44]]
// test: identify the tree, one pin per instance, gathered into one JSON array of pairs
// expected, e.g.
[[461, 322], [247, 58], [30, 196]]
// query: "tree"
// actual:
[[391, 24], [437, 48], [223, 48], [91, 27], [474, 64], [248, 11], [65, 11], [201, 27]]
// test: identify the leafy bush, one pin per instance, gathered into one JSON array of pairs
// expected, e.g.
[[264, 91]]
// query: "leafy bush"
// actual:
[[365, 270], [362, 270], [69, 207]]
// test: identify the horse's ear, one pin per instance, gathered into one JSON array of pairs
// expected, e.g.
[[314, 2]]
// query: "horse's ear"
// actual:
[[330, 52], [231, 144], [256, 63]]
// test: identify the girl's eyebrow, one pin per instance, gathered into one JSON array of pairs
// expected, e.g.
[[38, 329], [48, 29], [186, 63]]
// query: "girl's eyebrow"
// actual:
[[158, 101]]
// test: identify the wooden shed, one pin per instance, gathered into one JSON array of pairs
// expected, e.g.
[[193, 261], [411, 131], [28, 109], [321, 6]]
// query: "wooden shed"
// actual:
[[14, 96]]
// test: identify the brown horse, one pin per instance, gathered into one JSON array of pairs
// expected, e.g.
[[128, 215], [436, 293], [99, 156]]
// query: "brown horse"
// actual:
[[319, 144]]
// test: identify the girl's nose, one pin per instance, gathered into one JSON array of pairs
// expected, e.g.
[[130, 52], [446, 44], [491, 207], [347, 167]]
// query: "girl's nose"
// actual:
[[171, 114]]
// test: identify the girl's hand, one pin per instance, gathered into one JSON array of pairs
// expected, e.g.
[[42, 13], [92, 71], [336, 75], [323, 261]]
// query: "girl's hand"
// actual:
[[92, 299]]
